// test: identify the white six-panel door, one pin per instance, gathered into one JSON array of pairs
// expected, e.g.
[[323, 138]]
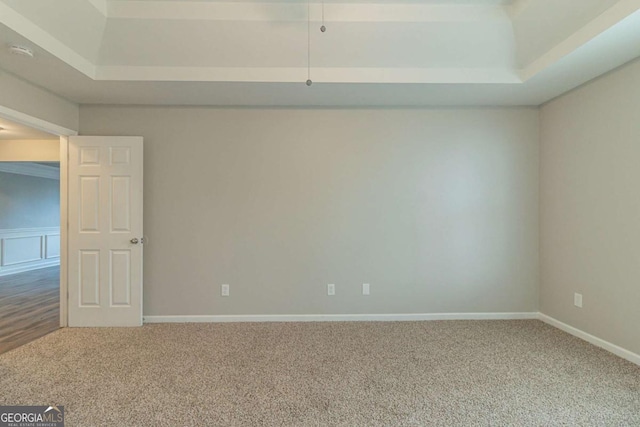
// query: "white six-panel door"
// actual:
[[105, 231]]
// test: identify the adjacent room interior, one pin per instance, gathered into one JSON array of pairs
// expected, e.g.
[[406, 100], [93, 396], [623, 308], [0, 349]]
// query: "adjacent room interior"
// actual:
[[29, 234], [326, 213]]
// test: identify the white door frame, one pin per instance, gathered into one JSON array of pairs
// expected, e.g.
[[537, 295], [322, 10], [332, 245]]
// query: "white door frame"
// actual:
[[64, 225], [63, 133]]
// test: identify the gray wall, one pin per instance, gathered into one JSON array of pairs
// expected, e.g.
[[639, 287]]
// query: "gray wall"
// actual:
[[28, 201], [436, 209], [590, 207]]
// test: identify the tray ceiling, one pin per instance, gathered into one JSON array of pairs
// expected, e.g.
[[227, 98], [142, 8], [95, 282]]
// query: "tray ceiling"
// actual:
[[419, 52]]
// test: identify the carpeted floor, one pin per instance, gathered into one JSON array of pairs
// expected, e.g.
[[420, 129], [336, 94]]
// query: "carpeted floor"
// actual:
[[451, 373]]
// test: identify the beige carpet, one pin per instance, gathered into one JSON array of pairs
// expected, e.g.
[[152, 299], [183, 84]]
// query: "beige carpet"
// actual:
[[454, 373]]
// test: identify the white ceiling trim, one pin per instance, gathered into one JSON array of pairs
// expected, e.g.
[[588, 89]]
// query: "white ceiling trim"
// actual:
[[607, 40], [518, 7], [299, 74], [283, 12], [607, 20], [37, 35], [30, 169], [35, 122], [100, 5]]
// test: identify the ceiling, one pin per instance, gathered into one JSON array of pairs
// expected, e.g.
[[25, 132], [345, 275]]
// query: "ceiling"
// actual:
[[374, 52], [16, 131]]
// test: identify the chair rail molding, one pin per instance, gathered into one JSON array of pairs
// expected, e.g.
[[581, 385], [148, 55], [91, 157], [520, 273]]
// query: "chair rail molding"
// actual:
[[25, 249]]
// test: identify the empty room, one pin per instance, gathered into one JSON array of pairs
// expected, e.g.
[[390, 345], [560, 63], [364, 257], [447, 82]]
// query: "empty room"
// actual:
[[323, 213]]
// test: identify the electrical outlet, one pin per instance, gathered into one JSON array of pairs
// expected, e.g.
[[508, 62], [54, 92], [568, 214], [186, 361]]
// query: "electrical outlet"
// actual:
[[224, 290], [365, 289], [577, 300], [331, 289]]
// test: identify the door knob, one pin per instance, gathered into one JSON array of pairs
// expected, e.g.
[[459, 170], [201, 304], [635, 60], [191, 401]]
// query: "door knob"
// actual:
[[134, 240]]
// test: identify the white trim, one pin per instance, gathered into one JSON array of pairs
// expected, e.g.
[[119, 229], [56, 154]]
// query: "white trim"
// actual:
[[30, 169], [100, 6], [603, 22], [299, 74], [34, 122], [409, 317], [617, 350], [517, 7], [64, 225], [27, 264], [23, 232], [43, 39], [8, 270], [255, 11], [47, 252], [33, 257]]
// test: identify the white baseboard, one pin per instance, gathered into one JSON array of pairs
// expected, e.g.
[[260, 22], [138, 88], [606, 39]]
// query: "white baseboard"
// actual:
[[15, 269], [617, 350], [409, 317], [338, 317]]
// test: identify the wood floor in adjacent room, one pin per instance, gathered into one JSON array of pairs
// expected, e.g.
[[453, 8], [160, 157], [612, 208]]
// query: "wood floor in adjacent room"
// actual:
[[29, 306]]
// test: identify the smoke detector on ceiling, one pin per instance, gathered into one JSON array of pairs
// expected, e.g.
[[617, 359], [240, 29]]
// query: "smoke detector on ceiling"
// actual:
[[21, 50]]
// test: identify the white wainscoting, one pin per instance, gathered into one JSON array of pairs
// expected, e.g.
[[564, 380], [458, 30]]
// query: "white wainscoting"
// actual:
[[25, 249]]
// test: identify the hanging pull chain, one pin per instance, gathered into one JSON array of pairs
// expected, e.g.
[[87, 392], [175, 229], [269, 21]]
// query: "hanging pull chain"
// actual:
[[323, 28], [309, 82]]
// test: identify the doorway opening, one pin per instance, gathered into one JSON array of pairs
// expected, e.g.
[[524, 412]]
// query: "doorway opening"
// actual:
[[30, 234]]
